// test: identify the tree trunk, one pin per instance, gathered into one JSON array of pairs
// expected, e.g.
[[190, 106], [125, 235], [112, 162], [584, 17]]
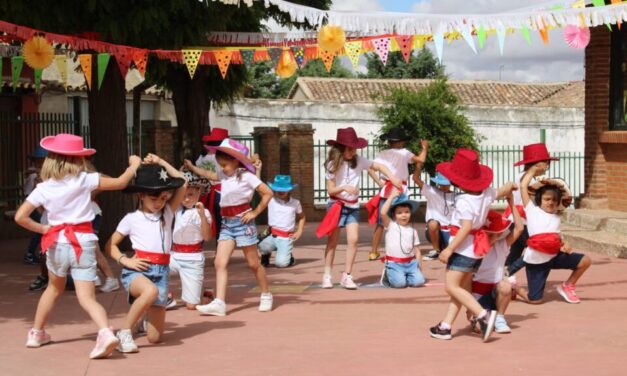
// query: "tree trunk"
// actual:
[[107, 123], [191, 104], [137, 101]]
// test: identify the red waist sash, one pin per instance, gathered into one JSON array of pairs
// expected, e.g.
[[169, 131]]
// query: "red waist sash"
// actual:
[[154, 258], [401, 260], [373, 204], [235, 210], [445, 228], [482, 288], [332, 218], [281, 233], [480, 242], [548, 242], [520, 208], [53, 233], [213, 189], [187, 248]]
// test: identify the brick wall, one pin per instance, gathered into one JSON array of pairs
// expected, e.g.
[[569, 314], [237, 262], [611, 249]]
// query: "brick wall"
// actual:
[[298, 150], [159, 138], [614, 145]]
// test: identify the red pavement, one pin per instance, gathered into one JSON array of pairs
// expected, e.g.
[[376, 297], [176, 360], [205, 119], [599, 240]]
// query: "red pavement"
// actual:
[[371, 331]]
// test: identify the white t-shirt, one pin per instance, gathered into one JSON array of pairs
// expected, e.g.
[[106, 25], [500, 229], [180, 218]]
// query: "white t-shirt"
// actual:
[[29, 182], [472, 208], [96, 208], [396, 160], [187, 230], [67, 201], [493, 265], [440, 205], [237, 191], [539, 222], [400, 240], [208, 162], [282, 214], [349, 176], [146, 231]]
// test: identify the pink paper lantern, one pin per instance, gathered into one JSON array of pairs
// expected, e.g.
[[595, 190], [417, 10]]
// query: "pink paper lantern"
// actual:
[[577, 37]]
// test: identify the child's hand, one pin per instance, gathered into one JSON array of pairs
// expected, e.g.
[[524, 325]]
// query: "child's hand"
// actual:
[[257, 161], [152, 159], [188, 164], [510, 199], [350, 189], [567, 248], [141, 265], [200, 207], [134, 161], [398, 183], [295, 236], [45, 228], [424, 144], [445, 255], [249, 216]]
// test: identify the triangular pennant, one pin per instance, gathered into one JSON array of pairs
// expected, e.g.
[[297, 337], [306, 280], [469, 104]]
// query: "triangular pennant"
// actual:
[[500, 33], [37, 75], [124, 62], [223, 58], [353, 50], [61, 62], [381, 47], [275, 54], [17, 63], [468, 38], [85, 60], [419, 42], [544, 34], [438, 39], [481, 34], [405, 43], [525, 32], [191, 58], [598, 3], [248, 56], [103, 62], [579, 4], [140, 58], [299, 56], [327, 58]]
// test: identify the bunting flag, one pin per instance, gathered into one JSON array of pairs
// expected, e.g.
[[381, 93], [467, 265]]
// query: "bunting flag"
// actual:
[[248, 56], [140, 58], [275, 54], [481, 34], [468, 38], [544, 34], [223, 58], [37, 74], [381, 47], [85, 60], [353, 50], [299, 56], [61, 62], [419, 41], [500, 33], [103, 62], [438, 39], [525, 32], [405, 43], [124, 62], [191, 58], [598, 3], [17, 63], [327, 58]]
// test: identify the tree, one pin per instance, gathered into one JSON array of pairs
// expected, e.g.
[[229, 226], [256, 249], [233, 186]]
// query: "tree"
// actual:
[[433, 113], [421, 65]]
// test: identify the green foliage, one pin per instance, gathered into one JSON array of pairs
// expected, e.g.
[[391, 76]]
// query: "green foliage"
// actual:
[[421, 65], [433, 113]]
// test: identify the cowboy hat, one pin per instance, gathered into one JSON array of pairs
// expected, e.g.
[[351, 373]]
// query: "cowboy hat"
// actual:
[[439, 179], [66, 144], [216, 135], [567, 196], [395, 134], [236, 150], [153, 178], [465, 171], [496, 223], [38, 153], [348, 137], [534, 153], [194, 180], [282, 183], [403, 200]]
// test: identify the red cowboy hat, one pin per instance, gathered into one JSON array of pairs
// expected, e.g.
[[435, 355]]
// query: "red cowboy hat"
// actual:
[[348, 137], [535, 153], [465, 171], [496, 223], [216, 135]]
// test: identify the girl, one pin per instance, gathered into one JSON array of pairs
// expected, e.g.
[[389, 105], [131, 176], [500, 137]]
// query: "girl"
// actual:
[[69, 239], [145, 276], [344, 169], [469, 242], [239, 182], [545, 249], [395, 158]]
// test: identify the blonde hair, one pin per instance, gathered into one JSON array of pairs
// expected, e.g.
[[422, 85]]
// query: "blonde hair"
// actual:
[[335, 158], [57, 166]]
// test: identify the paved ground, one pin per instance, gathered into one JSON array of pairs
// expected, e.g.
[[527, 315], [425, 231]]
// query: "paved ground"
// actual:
[[371, 331]]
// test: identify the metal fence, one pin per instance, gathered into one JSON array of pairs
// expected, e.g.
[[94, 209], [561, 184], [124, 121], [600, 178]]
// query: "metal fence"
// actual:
[[500, 158]]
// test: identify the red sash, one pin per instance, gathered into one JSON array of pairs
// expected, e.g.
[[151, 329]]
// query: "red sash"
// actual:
[[153, 257], [445, 228], [52, 236], [281, 233], [373, 204], [520, 208], [548, 242], [187, 248], [482, 288], [235, 210], [210, 205], [480, 242], [332, 218], [401, 260]]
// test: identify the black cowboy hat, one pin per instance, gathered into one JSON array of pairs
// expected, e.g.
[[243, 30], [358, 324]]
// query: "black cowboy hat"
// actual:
[[395, 134], [153, 178]]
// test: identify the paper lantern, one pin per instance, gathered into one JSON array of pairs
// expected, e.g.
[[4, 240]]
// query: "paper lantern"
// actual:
[[331, 38], [286, 66], [577, 37], [38, 53]]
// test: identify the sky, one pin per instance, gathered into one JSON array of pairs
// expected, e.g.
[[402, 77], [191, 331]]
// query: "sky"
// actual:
[[520, 62]]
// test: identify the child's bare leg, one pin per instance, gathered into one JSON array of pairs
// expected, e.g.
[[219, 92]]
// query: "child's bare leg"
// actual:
[[503, 295], [86, 294], [103, 264], [352, 236], [55, 288], [583, 265], [252, 258], [433, 227], [221, 262], [145, 292], [523, 294], [155, 324], [329, 251], [456, 287], [376, 239]]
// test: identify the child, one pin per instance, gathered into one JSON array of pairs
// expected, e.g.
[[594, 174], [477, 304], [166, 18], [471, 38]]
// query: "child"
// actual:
[[545, 249], [469, 242], [490, 285], [283, 213], [343, 172], [395, 158], [401, 243], [69, 241], [239, 183], [30, 181], [145, 276], [440, 205], [192, 226]]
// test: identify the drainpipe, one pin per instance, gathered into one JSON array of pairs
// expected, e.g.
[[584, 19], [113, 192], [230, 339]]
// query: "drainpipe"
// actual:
[[543, 136]]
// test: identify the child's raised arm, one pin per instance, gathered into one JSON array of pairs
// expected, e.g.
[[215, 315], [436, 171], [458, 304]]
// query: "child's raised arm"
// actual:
[[505, 190], [211, 175], [107, 183], [420, 162], [524, 185], [266, 195], [386, 171], [179, 194], [518, 223], [386, 207]]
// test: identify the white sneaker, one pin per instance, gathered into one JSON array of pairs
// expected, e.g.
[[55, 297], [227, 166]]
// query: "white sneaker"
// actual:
[[500, 325], [126, 345], [105, 344], [432, 255], [98, 281], [327, 283], [37, 338], [216, 308], [347, 282], [171, 304], [265, 302], [111, 284]]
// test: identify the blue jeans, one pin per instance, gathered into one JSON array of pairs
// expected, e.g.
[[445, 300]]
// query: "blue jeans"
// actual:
[[159, 275], [404, 274], [283, 247], [244, 234]]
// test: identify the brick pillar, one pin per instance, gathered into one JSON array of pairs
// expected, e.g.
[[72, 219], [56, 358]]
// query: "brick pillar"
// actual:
[[297, 140], [159, 138], [267, 146]]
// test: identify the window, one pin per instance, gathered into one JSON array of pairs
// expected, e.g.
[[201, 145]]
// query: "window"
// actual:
[[618, 79]]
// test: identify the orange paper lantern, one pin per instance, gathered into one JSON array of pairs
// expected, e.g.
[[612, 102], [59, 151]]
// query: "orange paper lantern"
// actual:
[[38, 53], [286, 66], [331, 38]]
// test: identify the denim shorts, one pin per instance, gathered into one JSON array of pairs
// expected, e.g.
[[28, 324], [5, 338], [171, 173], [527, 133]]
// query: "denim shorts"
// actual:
[[347, 215], [282, 246], [445, 237], [159, 275], [61, 258], [538, 273], [244, 234], [461, 263]]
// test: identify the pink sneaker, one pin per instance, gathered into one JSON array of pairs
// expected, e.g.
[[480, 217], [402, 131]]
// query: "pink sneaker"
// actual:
[[37, 338], [567, 291], [105, 344]]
